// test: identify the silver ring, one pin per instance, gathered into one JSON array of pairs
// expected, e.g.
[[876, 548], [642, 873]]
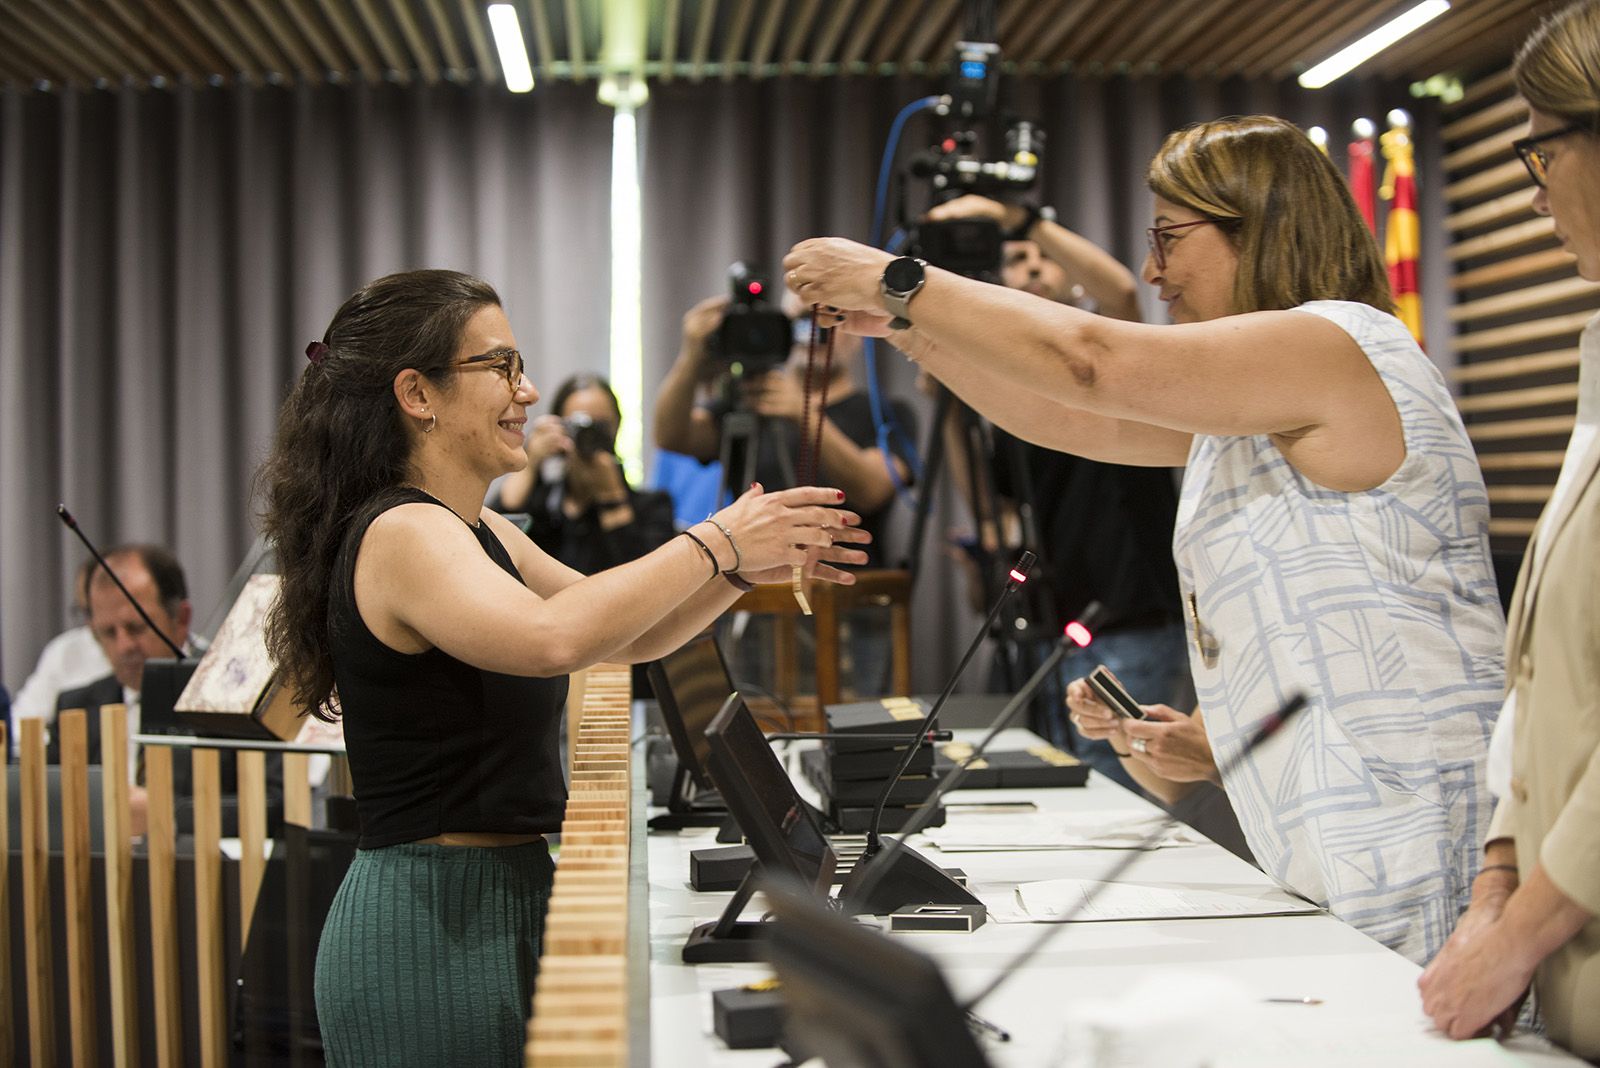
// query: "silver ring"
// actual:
[[1138, 746]]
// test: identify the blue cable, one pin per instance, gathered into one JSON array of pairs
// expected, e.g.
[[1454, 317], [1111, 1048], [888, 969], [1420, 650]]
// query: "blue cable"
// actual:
[[882, 418]]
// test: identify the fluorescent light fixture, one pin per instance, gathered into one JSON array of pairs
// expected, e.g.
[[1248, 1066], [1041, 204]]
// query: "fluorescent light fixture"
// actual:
[[1348, 59], [513, 51], [627, 272]]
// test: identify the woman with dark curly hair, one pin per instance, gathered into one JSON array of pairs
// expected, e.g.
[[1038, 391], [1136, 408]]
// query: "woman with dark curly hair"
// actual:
[[443, 637]]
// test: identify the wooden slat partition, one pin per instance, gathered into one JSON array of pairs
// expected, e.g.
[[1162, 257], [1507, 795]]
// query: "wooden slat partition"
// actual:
[[211, 971], [252, 780], [39, 980], [580, 1006], [1519, 309], [166, 987], [73, 729], [8, 1038], [125, 1025]]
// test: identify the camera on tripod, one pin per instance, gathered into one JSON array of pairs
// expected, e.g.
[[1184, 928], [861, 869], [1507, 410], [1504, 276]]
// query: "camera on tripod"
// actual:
[[955, 166], [755, 334]]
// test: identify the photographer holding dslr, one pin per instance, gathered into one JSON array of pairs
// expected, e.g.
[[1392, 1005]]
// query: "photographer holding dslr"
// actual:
[[742, 358], [581, 509]]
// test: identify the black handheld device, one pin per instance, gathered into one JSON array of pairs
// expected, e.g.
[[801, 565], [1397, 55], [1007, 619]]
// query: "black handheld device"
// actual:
[[1112, 693]]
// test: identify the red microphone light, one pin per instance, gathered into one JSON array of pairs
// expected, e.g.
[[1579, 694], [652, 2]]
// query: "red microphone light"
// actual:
[[949, 144], [1079, 634], [755, 289], [1017, 576]]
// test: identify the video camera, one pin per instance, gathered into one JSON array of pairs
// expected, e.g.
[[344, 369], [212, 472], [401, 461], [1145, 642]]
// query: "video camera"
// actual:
[[954, 166], [755, 335]]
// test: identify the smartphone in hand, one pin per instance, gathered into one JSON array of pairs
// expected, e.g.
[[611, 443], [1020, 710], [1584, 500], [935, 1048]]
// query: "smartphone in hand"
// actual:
[[1110, 691]]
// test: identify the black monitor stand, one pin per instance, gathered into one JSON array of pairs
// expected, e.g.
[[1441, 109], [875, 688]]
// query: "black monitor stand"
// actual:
[[728, 939], [689, 807]]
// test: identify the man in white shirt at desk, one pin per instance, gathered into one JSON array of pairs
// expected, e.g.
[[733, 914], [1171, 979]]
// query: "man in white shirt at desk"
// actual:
[[71, 659], [156, 580]]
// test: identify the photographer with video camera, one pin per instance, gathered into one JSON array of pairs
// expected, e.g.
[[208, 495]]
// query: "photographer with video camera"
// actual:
[[581, 509], [740, 373], [1103, 530]]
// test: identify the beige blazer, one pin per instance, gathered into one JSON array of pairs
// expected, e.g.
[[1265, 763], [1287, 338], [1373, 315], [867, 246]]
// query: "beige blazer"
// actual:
[[1553, 809]]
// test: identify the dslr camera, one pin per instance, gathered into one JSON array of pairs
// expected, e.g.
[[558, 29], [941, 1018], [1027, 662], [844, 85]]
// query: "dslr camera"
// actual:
[[589, 438], [755, 335]]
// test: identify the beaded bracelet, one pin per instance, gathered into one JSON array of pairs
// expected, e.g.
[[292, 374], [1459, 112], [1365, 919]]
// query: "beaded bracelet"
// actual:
[[726, 533], [715, 568]]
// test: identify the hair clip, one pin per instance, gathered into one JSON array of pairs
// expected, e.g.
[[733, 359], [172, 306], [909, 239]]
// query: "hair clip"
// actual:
[[316, 352]]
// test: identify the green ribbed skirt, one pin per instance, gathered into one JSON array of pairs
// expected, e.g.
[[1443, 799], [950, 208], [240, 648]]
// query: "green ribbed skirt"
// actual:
[[429, 955]]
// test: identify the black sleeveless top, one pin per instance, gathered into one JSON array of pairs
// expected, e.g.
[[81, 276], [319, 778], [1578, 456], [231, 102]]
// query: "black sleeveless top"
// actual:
[[436, 745]]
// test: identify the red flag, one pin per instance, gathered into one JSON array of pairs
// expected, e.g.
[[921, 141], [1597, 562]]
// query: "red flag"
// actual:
[[1361, 181], [1404, 233]]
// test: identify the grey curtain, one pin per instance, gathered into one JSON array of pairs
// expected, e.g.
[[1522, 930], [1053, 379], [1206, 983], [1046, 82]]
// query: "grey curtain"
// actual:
[[739, 170], [166, 256]]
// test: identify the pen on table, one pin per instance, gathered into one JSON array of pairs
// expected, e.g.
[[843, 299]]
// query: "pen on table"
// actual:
[[1000, 1033], [1293, 1001], [996, 806]]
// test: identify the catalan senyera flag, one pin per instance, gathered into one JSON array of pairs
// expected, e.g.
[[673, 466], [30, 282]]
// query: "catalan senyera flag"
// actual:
[[1404, 234], [1362, 186]]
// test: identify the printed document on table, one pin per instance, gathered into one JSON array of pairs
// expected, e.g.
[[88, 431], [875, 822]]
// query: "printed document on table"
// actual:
[[1054, 899], [1055, 830]]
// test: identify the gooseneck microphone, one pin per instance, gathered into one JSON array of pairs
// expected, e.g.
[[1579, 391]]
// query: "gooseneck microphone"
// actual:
[[897, 874], [72, 525], [1014, 581], [1269, 727]]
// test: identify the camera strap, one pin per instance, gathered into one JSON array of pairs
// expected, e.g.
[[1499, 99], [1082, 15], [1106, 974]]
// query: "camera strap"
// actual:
[[806, 468]]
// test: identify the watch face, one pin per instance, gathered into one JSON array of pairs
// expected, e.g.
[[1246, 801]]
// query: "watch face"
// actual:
[[902, 275]]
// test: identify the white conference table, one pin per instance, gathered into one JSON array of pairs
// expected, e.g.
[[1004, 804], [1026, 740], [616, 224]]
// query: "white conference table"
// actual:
[[1370, 1012]]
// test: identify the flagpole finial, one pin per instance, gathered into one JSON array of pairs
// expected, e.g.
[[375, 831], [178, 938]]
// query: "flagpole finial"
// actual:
[[1364, 129]]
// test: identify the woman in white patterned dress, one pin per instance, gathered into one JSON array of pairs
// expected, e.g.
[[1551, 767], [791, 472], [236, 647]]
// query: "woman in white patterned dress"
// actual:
[[1333, 531]]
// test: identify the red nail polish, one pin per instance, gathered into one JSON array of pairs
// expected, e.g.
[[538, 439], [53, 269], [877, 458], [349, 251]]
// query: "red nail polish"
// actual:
[[841, 495]]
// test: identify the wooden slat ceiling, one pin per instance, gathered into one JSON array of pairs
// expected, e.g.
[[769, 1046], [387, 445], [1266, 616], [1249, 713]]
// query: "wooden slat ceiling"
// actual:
[[161, 42]]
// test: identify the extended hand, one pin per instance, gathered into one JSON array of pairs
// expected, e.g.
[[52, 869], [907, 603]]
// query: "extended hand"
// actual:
[[800, 526], [1172, 745], [836, 273]]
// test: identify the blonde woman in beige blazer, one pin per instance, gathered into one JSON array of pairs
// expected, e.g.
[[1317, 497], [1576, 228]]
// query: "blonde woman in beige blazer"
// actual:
[[1533, 917]]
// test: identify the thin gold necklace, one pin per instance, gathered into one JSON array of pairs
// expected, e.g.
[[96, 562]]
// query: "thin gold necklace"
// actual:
[[436, 500]]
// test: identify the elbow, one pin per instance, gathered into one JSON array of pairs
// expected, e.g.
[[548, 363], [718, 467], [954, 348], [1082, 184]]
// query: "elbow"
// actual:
[[1077, 354], [559, 657]]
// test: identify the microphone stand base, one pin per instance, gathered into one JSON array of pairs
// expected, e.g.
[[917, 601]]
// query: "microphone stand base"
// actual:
[[910, 879]]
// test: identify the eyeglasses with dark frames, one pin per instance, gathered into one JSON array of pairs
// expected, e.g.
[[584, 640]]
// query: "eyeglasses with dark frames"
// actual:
[[1536, 159], [1161, 244], [508, 362]]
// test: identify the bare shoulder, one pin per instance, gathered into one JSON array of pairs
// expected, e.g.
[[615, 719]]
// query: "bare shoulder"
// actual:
[[410, 530]]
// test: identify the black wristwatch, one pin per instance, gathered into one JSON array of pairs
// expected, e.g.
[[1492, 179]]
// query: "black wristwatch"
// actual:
[[902, 280]]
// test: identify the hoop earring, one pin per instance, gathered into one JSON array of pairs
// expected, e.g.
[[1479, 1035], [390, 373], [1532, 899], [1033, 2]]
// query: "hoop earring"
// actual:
[[433, 423]]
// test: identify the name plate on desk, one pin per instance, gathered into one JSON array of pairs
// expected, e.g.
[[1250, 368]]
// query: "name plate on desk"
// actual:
[[234, 692]]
